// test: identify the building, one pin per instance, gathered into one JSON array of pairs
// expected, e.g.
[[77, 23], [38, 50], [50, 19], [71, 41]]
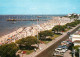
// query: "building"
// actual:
[[75, 39]]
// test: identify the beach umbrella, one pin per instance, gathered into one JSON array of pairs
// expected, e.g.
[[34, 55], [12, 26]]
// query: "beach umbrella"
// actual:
[[9, 38]]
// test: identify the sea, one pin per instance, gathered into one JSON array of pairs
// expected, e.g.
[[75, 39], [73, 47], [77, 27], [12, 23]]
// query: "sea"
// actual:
[[10, 26]]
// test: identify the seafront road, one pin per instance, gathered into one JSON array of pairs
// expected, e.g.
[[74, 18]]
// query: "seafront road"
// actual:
[[48, 49]]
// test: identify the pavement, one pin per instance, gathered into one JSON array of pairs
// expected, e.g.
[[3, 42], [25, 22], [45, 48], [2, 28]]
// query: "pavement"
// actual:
[[43, 47], [33, 54], [67, 54]]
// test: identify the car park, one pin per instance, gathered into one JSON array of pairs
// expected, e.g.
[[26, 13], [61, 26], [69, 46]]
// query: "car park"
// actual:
[[61, 49]]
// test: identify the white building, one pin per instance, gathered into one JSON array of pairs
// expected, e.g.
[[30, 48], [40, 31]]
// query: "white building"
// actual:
[[75, 39], [79, 18]]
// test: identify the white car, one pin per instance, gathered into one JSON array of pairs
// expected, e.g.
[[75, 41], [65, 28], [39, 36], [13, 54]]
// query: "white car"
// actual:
[[58, 54], [60, 50]]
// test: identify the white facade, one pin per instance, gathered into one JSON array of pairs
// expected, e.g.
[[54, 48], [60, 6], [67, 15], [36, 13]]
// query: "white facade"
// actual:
[[75, 39], [76, 43]]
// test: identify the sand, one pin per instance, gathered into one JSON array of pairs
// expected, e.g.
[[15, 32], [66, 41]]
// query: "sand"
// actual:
[[33, 30]]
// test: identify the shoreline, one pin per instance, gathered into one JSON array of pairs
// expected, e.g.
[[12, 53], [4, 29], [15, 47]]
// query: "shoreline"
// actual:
[[16, 28], [32, 30], [5, 33]]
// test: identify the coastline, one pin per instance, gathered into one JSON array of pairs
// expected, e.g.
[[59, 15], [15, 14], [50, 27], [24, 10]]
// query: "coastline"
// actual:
[[32, 30], [15, 28]]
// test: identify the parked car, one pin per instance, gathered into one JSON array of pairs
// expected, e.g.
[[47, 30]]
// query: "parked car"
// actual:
[[58, 54], [69, 43], [68, 33], [63, 43], [60, 50], [65, 47]]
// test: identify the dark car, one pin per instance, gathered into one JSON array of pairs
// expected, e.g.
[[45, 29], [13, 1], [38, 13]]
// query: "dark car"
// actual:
[[68, 33]]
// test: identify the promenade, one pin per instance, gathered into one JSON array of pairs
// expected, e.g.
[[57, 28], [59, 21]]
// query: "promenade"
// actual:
[[43, 47]]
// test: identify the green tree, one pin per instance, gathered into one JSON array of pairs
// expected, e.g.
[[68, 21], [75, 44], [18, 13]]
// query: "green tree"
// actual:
[[28, 41], [77, 50], [58, 28], [8, 50], [64, 26], [44, 34], [74, 16], [72, 24], [77, 21]]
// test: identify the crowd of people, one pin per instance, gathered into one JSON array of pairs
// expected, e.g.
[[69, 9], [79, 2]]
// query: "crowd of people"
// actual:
[[33, 30]]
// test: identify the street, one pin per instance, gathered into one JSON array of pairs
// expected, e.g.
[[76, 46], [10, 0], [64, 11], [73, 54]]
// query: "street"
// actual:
[[49, 51]]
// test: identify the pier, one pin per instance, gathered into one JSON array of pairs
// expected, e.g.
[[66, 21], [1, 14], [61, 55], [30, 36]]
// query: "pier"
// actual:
[[26, 20]]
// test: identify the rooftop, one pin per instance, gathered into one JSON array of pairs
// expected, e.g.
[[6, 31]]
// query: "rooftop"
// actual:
[[78, 41]]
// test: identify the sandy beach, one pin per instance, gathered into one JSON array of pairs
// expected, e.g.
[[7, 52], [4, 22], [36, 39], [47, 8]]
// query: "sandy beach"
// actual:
[[33, 30]]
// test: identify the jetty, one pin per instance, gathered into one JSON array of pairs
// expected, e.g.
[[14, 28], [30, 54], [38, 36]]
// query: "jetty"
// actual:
[[27, 20]]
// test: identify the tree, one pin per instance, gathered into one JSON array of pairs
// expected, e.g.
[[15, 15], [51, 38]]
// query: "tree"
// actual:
[[58, 28], [64, 26], [72, 24], [77, 21], [44, 34], [76, 50], [8, 50], [28, 41], [74, 16]]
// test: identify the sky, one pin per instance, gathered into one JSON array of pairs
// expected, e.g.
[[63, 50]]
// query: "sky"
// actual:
[[31, 7]]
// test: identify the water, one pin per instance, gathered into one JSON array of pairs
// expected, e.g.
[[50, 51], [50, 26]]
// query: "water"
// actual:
[[9, 26]]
